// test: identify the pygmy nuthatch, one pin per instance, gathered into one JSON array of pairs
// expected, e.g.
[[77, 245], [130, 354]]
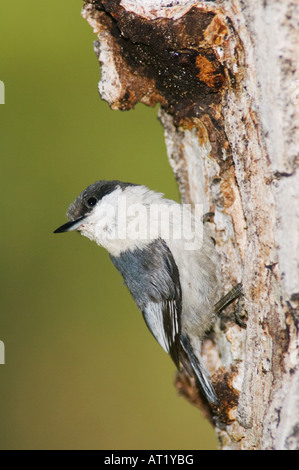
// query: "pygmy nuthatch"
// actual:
[[168, 261]]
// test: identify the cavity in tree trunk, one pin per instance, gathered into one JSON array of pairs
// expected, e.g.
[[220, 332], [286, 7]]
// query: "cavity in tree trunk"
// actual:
[[226, 76]]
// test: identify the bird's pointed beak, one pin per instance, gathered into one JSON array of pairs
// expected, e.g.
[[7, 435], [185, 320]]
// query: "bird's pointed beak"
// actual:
[[69, 226]]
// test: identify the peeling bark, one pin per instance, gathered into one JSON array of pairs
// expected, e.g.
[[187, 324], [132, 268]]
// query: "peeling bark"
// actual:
[[226, 76]]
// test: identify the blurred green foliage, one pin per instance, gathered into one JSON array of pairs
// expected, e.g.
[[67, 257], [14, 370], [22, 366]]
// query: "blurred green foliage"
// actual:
[[82, 371]]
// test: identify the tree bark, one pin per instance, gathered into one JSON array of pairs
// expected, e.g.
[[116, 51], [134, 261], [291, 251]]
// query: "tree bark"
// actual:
[[226, 76]]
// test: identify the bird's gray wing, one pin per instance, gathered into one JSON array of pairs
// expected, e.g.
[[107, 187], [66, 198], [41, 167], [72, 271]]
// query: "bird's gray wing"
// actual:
[[152, 277]]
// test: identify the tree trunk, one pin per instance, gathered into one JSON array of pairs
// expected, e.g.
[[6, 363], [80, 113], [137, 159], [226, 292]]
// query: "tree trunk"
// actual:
[[226, 76]]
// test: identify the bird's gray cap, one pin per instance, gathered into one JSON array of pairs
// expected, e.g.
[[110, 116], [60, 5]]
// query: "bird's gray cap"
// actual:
[[86, 201]]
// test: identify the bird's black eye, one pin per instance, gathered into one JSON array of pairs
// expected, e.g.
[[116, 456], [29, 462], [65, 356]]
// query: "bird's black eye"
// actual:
[[92, 201]]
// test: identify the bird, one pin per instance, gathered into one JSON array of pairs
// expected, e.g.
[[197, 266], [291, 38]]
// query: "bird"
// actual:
[[168, 262]]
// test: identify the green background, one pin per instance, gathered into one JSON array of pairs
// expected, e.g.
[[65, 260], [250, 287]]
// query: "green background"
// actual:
[[82, 371]]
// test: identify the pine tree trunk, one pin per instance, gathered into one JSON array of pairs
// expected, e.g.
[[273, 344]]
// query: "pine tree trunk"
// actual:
[[226, 76]]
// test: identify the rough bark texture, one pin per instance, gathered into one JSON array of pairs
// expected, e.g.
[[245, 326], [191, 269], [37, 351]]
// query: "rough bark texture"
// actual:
[[226, 76]]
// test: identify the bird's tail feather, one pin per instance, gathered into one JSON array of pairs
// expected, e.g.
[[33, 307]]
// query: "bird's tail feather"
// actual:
[[200, 371]]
